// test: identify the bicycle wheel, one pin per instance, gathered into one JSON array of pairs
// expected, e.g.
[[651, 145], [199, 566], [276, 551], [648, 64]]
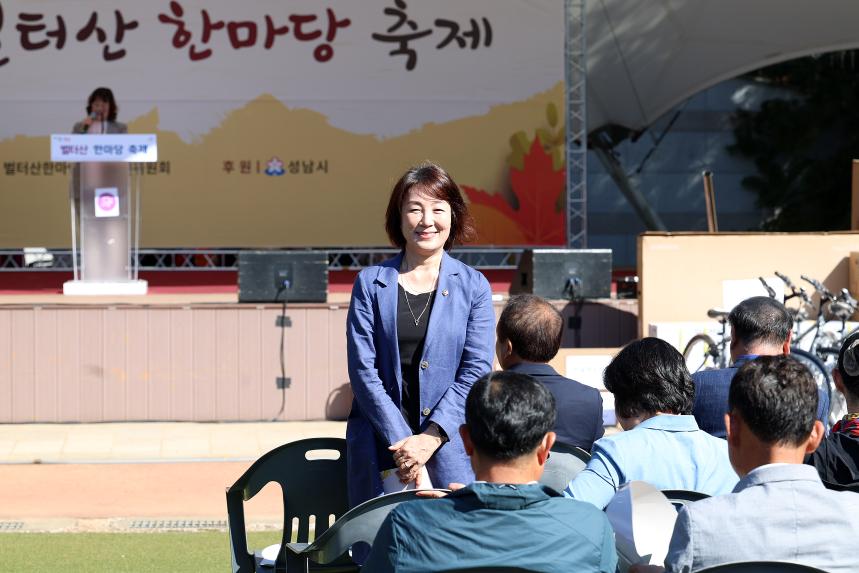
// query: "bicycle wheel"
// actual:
[[821, 375], [701, 353]]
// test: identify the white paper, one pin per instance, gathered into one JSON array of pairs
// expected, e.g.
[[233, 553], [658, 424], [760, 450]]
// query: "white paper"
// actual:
[[391, 482], [268, 556], [587, 369], [736, 291], [643, 521], [107, 202]]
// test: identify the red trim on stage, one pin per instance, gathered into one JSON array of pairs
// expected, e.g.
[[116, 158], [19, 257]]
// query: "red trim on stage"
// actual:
[[160, 282], [191, 282], [205, 282]]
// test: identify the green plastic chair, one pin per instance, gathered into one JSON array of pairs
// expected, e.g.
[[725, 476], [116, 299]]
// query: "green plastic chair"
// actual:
[[359, 524], [761, 567], [310, 486]]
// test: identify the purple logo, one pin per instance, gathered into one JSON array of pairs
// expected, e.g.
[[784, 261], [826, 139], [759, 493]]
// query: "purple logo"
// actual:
[[107, 202]]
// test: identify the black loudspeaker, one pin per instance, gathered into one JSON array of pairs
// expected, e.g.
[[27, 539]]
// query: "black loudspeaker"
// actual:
[[564, 273], [275, 276]]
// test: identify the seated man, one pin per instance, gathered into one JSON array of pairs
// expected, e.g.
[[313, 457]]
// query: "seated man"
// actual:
[[837, 458], [662, 444], [760, 326], [529, 335], [780, 510], [505, 518]]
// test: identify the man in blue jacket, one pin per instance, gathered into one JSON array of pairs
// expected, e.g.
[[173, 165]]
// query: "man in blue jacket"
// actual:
[[528, 337], [505, 519], [760, 326]]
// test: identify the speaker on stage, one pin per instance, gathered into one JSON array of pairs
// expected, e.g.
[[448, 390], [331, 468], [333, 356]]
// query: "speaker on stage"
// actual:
[[275, 276], [564, 273]]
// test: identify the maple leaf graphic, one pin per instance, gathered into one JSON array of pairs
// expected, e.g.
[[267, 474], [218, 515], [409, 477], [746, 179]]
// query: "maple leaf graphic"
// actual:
[[536, 187]]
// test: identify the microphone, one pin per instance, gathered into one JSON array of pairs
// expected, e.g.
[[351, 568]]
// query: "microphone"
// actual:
[[93, 116]]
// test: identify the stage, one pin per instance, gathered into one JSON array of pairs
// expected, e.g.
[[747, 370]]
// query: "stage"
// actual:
[[183, 354]]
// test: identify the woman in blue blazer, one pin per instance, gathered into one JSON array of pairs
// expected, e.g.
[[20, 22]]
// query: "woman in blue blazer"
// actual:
[[420, 331]]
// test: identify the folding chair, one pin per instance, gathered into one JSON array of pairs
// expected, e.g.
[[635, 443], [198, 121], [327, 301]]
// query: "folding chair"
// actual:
[[313, 487], [564, 463], [359, 524], [761, 567], [682, 497], [854, 487]]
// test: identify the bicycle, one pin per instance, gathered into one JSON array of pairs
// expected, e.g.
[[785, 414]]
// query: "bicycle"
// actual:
[[826, 345], [704, 353]]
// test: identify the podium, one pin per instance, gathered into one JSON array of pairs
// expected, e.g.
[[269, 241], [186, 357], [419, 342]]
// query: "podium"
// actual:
[[104, 201]]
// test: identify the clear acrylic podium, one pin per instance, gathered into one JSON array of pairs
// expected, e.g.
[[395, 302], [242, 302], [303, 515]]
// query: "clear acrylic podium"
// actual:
[[104, 200]]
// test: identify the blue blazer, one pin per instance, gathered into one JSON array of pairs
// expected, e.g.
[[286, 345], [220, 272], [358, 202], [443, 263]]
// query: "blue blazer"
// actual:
[[457, 351], [579, 418], [711, 398]]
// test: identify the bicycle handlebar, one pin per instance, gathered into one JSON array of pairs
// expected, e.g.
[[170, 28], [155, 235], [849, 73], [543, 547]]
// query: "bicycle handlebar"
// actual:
[[794, 292], [769, 289], [818, 286], [786, 281], [847, 298], [717, 313]]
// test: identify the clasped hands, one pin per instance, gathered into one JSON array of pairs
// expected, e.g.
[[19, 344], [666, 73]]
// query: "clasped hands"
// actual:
[[412, 453]]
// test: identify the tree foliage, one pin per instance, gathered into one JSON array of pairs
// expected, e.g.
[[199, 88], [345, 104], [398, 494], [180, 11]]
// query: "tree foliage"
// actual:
[[803, 144]]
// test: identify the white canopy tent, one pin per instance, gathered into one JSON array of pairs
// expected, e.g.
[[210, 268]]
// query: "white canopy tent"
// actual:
[[645, 57]]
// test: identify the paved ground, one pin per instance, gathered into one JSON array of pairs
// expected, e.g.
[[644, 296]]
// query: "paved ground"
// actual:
[[106, 477], [152, 441], [128, 476]]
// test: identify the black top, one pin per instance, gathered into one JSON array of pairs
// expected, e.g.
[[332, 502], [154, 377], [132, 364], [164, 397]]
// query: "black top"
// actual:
[[410, 337], [837, 459]]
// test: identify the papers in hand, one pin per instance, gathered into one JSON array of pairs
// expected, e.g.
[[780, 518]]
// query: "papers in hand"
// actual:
[[269, 555], [643, 521], [391, 481]]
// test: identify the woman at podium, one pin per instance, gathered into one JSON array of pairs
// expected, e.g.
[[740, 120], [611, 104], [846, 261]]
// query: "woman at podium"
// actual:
[[101, 112], [104, 234]]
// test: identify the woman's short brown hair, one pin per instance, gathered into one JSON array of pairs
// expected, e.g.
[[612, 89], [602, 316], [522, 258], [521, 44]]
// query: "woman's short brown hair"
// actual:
[[433, 181], [105, 95]]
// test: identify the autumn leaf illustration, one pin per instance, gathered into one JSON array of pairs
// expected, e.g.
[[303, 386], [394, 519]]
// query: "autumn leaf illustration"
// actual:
[[537, 220]]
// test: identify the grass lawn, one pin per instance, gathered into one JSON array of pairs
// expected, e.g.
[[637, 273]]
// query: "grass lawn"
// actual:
[[179, 552]]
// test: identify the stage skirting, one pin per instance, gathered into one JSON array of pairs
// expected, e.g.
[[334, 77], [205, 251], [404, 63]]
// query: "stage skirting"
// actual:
[[198, 359]]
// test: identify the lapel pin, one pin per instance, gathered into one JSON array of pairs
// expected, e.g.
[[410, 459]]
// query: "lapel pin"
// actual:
[[444, 292]]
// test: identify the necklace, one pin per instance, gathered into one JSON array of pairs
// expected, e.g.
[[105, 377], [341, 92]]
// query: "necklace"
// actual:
[[408, 304]]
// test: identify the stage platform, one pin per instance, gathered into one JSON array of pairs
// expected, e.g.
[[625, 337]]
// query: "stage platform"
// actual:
[[192, 352]]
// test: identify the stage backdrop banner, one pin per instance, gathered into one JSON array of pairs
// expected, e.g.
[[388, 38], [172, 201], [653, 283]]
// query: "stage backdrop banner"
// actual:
[[286, 123]]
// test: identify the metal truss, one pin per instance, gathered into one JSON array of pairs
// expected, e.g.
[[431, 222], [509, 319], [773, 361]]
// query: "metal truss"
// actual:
[[577, 125], [339, 259]]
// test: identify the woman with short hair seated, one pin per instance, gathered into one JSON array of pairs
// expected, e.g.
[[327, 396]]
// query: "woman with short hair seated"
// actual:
[[661, 444], [837, 457]]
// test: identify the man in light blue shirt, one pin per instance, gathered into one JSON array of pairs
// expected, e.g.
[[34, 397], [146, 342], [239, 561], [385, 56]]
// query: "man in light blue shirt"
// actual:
[[662, 444], [780, 510]]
